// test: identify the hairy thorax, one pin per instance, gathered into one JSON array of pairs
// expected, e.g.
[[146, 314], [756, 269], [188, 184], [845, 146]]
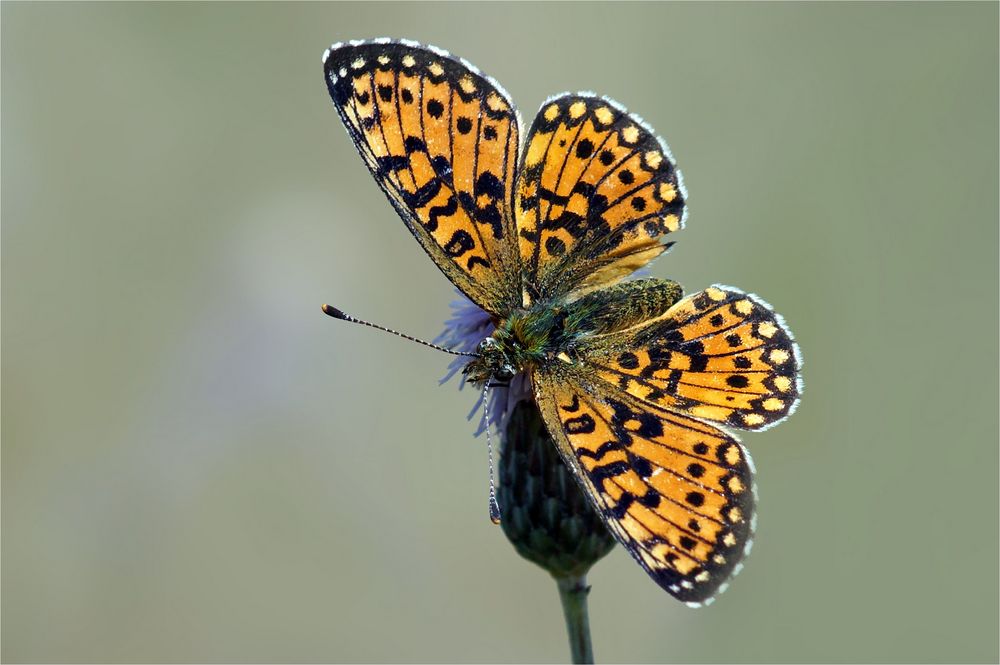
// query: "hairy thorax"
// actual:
[[547, 334], [521, 342]]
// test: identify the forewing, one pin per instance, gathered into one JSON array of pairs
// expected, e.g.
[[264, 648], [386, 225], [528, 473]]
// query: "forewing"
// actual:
[[596, 193], [677, 493], [441, 139], [720, 354]]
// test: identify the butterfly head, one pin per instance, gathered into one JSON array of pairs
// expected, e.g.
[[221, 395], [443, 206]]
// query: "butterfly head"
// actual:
[[492, 362]]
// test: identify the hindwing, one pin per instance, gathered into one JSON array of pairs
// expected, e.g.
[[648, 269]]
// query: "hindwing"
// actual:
[[677, 493], [721, 355]]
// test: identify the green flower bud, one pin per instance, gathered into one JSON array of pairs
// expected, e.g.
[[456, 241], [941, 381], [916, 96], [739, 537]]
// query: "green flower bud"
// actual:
[[546, 515]]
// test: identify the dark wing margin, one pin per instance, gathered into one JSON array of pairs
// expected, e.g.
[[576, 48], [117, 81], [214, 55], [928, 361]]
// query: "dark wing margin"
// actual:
[[441, 140]]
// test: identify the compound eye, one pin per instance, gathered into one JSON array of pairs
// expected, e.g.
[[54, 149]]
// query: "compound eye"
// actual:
[[487, 344]]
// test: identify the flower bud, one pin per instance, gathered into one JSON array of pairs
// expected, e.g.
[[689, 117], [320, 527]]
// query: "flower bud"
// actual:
[[546, 516]]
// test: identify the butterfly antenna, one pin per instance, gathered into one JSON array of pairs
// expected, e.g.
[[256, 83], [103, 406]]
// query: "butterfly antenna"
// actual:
[[494, 506], [330, 310]]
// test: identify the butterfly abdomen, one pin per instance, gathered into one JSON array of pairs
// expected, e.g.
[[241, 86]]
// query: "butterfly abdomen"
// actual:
[[549, 330], [621, 306]]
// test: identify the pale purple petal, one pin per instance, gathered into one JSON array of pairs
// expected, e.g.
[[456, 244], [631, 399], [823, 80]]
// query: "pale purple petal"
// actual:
[[467, 326]]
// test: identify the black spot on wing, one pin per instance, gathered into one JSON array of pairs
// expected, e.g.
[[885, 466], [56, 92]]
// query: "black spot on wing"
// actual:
[[449, 208], [460, 243], [583, 424], [737, 381], [696, 470], [435, 108], [610, 470], [600, 451], [392, 163], [490, 185], [422, 197], [695, 498], [555, 246]]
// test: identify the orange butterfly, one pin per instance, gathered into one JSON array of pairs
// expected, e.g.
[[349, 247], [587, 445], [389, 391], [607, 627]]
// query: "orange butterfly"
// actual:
[[631, 379]]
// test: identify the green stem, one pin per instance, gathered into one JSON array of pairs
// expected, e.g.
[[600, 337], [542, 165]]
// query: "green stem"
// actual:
[[573, 593]]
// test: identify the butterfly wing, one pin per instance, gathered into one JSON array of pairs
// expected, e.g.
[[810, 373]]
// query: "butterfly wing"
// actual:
[[720, 355], [441, 140], [677, 493], [596, 192]]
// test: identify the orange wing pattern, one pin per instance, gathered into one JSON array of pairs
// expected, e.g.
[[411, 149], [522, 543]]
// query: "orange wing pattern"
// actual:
[[441, 139], [596, 192], [721, 354], [635, 376], [677, 493]]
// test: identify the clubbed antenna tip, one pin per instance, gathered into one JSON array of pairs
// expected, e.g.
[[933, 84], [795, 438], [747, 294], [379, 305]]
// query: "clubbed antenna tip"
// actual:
[[330, 310]]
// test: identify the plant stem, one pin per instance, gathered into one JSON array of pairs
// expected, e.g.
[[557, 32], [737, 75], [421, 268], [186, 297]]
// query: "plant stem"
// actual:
[[573, 592]]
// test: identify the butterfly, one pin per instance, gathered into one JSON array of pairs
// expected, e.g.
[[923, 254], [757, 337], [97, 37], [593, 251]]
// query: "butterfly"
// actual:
[[635, 382]]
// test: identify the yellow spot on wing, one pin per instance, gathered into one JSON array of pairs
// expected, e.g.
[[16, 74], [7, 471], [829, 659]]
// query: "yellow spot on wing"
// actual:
[[537, 149], [576, 109], [715, 294], [495, 102], [630, 134], [551, 113], [436, 69], [773, 404], [778, 356], [604, 115], [767, 329], [744, 307]]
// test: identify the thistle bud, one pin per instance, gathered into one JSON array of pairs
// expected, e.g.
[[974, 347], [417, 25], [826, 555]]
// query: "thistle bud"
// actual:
[[546, 515]]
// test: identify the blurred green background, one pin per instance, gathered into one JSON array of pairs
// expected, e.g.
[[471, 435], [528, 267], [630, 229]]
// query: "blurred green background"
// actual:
[[199, 466]]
